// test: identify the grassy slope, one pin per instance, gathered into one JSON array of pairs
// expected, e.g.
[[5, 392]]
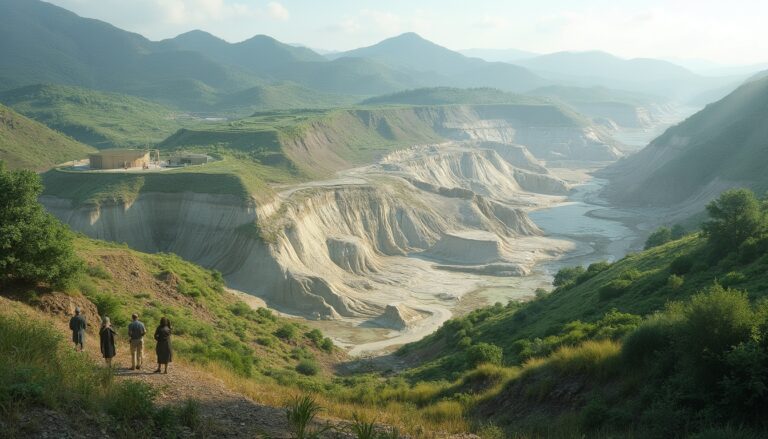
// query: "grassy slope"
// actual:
[[647, 290], [215, 332], [103, 120], [25, 143], [211, 325], [225, 177]]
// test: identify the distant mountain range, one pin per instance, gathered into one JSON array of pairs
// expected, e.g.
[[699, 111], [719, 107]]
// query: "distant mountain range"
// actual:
[[646, 75], [197, 71], [499, 55]]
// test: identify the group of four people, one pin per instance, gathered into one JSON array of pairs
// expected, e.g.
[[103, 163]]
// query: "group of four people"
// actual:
[[136, 332]]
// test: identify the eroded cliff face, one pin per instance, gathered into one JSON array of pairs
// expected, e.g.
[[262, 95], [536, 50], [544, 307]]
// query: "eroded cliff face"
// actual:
[[547, 131], [347, 248]]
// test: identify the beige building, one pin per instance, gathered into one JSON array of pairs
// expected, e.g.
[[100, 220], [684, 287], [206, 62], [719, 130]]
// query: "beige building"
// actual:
[[119, 159]]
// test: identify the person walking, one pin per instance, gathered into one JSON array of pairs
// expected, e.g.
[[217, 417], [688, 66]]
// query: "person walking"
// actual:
[[136, 332], [77, 324], [163, 349], [107, 338]]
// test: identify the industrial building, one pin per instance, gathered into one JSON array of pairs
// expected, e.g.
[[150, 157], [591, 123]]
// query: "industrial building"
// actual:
[[119, 159], [188, 159]]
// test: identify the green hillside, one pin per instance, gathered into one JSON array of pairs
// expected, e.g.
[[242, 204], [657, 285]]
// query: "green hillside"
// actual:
[[666, 342], [722, 145], [27, 144], [103, 120], [450, 95]]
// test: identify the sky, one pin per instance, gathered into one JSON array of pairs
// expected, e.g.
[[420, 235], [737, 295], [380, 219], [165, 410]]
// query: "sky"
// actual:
[[728, 33]]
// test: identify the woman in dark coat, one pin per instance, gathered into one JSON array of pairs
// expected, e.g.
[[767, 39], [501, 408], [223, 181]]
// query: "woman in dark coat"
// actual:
[[163, 349], [107, 338]]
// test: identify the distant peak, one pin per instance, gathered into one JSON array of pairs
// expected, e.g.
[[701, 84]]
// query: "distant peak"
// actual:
[[197, 34]]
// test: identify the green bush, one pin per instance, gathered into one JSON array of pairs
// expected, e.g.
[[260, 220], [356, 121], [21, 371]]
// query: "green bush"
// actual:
[[132, 401], [678, 231], [288, 332], [613, 289], [643, 345], [308, 367], [681, 265], [98, 272], [594, 415], [660, 236], [34, 246], [732, 278], [675, 282], [713, 322], [483, 353], [568, 275], [110, 306]]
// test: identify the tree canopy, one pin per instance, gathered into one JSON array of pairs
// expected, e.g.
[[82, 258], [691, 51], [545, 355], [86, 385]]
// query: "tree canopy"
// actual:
[[735, 216], [34, 246]]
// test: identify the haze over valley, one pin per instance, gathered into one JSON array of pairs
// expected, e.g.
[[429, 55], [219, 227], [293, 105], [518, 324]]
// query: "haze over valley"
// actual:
[[421, 241]]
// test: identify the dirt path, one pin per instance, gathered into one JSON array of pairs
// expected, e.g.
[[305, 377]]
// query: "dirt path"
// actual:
[[225, 413]]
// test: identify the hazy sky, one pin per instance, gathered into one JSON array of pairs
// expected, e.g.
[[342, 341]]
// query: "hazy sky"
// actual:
[[732, 32]]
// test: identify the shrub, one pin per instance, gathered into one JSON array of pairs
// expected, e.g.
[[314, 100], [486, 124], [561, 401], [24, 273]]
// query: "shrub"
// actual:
[[308, 367], [188, 414], [301, 412], [660, 236], [678, 231], [675, 282], [594, 414], [643, 344], [34, 246], [681, 265], [484, 353], [613, 289], [98, 271], [714, 321], [288, 332], [109, 306], [733, 278], [567, 275], [132, 401], [327, 345]]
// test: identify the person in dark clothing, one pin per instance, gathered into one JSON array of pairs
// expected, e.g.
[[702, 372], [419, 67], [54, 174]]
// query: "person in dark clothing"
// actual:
[[107, 338], [163, 349], [77, 325]]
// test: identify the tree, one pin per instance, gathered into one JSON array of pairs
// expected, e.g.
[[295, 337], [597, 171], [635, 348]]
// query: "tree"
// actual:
[[567, 275], [34, 246], [678, 231], [735, 216], [660, 236]]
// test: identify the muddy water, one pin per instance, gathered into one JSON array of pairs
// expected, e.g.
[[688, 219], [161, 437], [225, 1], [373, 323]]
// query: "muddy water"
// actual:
[[600, 232]]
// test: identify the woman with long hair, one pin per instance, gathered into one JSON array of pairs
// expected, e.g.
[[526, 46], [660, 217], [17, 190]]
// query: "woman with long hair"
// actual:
[[107, 340], [163, 349]]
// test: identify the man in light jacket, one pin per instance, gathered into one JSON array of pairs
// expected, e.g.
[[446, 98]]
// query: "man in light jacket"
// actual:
[[136, 331]]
